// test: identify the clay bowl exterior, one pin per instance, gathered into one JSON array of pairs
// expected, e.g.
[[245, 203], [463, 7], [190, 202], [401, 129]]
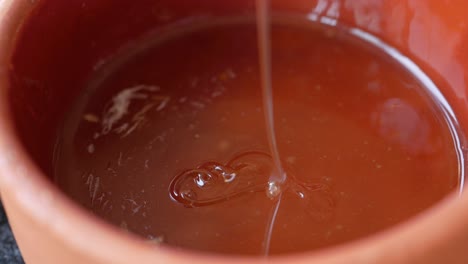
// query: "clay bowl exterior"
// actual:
[[44, 55]]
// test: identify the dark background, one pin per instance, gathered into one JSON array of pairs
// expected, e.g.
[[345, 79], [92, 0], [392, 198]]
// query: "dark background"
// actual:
[[9, 252]]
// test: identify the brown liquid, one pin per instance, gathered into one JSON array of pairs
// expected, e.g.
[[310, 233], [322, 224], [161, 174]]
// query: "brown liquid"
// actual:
[[170, 142]]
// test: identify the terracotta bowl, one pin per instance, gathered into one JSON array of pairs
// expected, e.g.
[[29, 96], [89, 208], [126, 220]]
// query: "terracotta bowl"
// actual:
[[47, 47]]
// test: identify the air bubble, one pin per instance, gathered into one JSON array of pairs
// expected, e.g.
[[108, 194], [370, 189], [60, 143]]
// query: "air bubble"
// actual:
[[213, 182], [204, 179], [273, 190], [250, 172], [317, 199]]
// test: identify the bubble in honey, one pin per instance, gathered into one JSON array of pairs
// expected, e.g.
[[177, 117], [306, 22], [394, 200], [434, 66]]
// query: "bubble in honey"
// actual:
[[249, 172], [213, 182], [273, 189], [317, 199]]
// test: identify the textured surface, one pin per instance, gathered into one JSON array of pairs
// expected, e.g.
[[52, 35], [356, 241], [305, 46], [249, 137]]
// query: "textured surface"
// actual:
[[9, 252]]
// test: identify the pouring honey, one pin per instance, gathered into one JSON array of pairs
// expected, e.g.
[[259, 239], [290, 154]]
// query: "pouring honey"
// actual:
[[258, 135]]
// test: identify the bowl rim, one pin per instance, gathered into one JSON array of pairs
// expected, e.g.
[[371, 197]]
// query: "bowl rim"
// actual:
[[25, 187]]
